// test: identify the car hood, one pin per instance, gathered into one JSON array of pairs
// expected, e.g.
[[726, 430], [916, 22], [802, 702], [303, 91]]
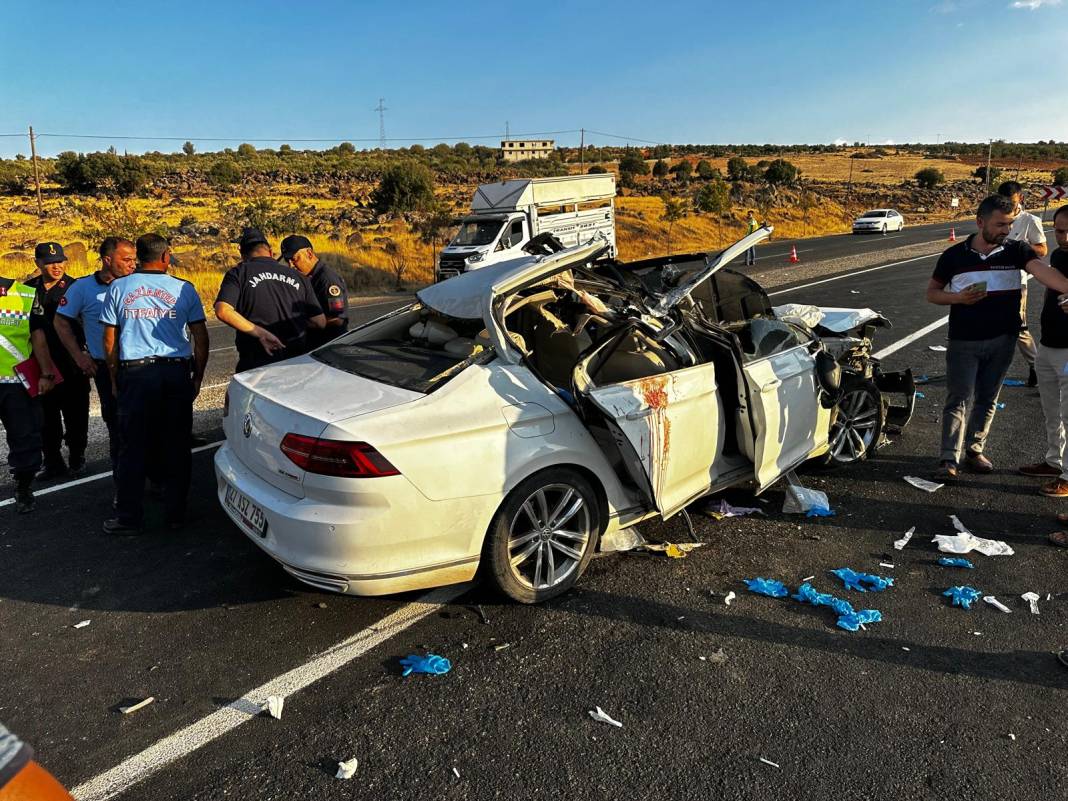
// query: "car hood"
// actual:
[[830, 318]]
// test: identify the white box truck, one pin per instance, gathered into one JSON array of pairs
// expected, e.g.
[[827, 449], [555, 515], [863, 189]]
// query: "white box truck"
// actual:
[[505, 216]]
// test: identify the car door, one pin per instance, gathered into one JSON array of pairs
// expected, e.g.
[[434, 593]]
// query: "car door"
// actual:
[[789, 425], [667, 428]]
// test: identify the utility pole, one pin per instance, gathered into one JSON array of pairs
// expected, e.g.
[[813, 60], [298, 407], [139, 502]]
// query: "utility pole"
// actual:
[[36, 173], [507, 130], [381, 109], [989, 149], [582, 151]]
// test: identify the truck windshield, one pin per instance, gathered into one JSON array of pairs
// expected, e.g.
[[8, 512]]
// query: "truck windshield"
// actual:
[[478, 232]]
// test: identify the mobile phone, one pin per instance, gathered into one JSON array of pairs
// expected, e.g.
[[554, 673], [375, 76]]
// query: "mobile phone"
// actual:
[[978, 286]]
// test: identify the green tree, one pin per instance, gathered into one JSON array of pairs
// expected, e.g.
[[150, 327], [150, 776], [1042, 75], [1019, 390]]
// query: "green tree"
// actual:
[[660, 168], [189, 148], [713, 197], [406, 186], [104, 173], [683, 170], [285, 150], [929, 177], [994, 178], [596, 169], [1060, 176], [346, 148], [738, 169], [224, 173], [633, 163], [705, 170], [674, 210], [245, 150], [781, 171]]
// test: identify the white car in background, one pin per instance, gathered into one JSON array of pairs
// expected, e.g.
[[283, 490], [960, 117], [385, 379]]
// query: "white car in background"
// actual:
[[878, 221], [515, 414]]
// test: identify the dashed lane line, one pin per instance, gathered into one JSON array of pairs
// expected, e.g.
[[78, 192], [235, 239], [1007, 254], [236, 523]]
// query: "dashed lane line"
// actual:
[[140, 766]]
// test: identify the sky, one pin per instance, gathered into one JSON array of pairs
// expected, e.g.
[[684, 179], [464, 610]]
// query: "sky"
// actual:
[[700, 72]]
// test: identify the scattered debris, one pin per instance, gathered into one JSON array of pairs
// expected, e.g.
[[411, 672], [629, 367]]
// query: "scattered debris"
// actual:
[[899, 545], [675, 550], [955, 561], [1014, 382], [769, 762], [962, 596], [601, 716], [770, 587], [1032, 601], [431, 664], [920, 395], [346, 769], [1012, 736], [848, 618], [922, 379], [717, 657], [923, 484], [801, 500], [481, 615], [274, 705], [808, 578], [502, 646], [626, 539], [730, 597], [862, 582], [904, 648], [994, 602], [126, 710], [937, 348], [321, 605], [1000, 405], [725, 510], [81, 625], [887, 564], [456, 772], [965, 541]]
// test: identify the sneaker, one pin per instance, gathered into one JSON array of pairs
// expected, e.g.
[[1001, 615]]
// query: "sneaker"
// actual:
[[1032, 378], [947, 470], [977, 463], [76, 465], [1039, 469], [1058, 488], [116, 527], [24, 500]]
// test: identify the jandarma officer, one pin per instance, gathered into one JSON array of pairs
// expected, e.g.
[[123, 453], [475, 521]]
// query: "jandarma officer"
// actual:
[[329, 288]]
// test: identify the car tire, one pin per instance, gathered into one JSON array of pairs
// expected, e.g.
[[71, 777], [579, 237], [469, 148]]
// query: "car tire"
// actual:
[[551, 558], [856, 422]]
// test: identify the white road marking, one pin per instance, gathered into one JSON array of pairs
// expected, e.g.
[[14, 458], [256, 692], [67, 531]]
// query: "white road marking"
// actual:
[[850, 275], [96, 477], [196, 735], [894, 347]]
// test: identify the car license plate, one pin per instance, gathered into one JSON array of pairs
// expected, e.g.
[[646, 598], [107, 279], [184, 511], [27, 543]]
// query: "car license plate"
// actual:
[[251, 515]]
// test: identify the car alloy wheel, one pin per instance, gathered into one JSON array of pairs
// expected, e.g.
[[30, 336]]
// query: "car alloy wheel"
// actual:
[[857, 424], [543, 535]]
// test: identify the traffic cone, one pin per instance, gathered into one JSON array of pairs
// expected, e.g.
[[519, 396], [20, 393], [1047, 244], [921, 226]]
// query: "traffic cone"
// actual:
[[952, 235], [793, 255]]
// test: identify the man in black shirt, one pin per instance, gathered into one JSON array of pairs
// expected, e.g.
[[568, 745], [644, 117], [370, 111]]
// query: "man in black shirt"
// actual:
[[329, 288], [1050, 364], [66, 408], [270, 305], [980, 279]]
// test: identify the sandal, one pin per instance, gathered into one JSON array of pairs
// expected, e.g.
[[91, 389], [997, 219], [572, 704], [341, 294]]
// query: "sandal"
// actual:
[[1059, 538]]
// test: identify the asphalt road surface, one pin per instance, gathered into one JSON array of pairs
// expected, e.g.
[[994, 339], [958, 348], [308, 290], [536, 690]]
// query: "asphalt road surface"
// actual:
[[933, 702]]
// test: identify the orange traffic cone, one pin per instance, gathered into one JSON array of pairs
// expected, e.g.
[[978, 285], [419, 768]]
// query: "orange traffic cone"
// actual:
[[793, 255], [952, 235]]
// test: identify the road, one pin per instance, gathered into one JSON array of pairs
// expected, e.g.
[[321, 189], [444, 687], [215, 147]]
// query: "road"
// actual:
[[934, 702]]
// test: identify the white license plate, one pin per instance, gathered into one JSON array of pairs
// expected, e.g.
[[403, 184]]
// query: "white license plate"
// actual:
[[251, 515]]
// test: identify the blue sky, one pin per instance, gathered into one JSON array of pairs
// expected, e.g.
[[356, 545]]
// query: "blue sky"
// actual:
[[779, 72]]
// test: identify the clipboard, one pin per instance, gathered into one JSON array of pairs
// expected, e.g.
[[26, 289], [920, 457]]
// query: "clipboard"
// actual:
[[29, 373]]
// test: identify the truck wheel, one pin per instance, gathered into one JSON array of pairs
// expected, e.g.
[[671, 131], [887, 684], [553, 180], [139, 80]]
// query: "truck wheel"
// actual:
[[543, 536]]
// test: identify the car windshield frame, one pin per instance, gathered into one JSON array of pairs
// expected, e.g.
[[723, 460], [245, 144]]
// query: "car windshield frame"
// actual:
[[471, 233], [873, 215]]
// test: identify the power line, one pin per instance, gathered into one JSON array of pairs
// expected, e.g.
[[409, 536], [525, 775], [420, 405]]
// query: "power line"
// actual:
[[127, 137], [381, 109], [625, 138]]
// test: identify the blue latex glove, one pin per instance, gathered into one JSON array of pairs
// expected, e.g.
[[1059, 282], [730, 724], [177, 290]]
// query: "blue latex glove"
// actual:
[[923, 379], [431, 663], [946, 561], [854, 621], [920, 395], [820, 511], [769, 587], [1013, 382], [862, 582], [962, 596], [848, 618]]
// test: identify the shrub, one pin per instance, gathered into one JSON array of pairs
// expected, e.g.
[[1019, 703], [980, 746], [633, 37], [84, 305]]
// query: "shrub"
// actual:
[[245, 150], [713, 197], [930, 177], [683, 170], [347, 148], [781, 171], [660, 168], [705, 170], [633, 164], [189, 148], [105, 173], [407, 186], [224, 173], [994, 178], [1060, 177], [738, 169], [596, 169]]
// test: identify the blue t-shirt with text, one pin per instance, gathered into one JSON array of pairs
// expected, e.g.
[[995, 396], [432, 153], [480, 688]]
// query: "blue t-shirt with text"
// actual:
[[151, 311], [84, 301]]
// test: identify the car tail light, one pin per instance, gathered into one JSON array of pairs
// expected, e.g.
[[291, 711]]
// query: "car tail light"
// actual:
[[226, 402], [329, 457]]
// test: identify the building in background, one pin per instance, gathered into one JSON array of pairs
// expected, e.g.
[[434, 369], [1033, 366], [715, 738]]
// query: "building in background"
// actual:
[[523, 149]]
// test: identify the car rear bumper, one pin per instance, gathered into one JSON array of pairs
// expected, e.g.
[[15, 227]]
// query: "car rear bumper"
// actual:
[[372, 545]]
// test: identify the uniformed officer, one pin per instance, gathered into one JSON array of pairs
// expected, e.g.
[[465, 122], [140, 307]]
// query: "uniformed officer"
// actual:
[[22, 335], [158, 375], [270, 305], [66, 408], [329, 288], [81, 307]]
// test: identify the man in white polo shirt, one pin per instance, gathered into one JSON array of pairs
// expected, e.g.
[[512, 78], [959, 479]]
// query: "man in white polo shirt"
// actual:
[[1026, 227]]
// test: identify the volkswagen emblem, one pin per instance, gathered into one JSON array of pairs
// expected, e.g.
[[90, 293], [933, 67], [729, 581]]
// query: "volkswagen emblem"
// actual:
[[246, 427]]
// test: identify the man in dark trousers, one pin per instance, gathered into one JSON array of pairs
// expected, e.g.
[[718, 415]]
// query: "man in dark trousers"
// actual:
[[329, 288], [81, 308], [270, 305], [22, 336], [66, 408], [149, 318], [979, 279]]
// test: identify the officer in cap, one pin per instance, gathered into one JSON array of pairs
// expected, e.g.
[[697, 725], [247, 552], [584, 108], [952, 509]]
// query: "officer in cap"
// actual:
[[66, 408], [149, 318], [270, 305], [22, 335], [329, 287]]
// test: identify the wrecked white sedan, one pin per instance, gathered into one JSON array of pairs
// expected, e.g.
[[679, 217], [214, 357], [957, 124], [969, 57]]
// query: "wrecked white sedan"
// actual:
[[514, 415]]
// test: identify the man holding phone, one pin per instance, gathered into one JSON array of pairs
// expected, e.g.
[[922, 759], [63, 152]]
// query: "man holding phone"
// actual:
[[980, 280]]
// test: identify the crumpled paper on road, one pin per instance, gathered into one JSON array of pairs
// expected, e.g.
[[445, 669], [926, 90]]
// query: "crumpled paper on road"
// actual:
[[923, 484], [347, 769], [899, 545], [964, 541], [601, 716]]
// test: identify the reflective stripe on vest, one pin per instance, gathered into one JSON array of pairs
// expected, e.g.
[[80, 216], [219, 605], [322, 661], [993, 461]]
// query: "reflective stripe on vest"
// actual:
[[15, 309]]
